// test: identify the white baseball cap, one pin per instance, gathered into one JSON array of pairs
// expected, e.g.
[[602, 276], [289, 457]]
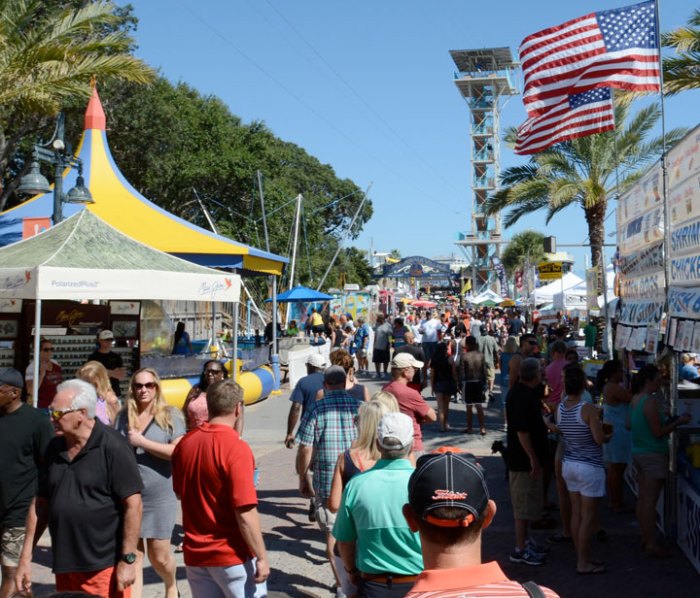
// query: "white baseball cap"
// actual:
[[106, 335], [316, 360], [395, 425], [405, 360]]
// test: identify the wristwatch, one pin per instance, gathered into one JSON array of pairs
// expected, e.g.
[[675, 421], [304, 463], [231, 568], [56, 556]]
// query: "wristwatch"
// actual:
[[129, 558]]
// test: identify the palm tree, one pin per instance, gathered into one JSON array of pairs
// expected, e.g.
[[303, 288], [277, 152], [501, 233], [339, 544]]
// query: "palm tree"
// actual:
[[524, 248], [48, 57], [582, 172], [683, 72]]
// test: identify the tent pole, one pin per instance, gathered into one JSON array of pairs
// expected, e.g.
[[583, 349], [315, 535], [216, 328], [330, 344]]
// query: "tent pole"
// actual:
[[234, 357], [274, 358], [37, 342]]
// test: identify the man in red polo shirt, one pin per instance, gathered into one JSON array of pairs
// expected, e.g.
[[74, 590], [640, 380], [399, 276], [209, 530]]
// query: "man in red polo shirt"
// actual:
[[449, 505], [403, 367], [213, 476]]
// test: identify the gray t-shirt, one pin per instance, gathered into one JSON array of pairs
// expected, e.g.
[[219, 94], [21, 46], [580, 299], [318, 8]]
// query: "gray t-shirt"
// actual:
[[489, 347], [381, 336]]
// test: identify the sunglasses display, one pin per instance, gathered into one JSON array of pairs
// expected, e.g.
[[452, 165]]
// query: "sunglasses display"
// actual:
[[148, 385]]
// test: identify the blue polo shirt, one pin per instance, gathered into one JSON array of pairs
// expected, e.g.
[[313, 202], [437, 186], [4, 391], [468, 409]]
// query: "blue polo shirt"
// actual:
[[384, 542]]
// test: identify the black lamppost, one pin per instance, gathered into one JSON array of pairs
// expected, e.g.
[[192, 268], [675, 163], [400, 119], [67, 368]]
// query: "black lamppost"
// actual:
[[54, 152]]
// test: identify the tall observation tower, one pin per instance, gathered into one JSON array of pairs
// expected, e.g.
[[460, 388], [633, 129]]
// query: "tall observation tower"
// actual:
[[485, 78]]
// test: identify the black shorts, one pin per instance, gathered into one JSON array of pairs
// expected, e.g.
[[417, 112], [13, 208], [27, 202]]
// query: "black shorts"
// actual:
[[473, 392], [380, 356]]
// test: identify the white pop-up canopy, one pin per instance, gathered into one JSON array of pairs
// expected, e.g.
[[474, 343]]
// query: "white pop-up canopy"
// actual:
[[545, 294], [83, 257]]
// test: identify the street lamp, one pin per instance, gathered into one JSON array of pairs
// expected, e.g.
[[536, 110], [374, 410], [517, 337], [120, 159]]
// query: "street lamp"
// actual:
[[54, 152]]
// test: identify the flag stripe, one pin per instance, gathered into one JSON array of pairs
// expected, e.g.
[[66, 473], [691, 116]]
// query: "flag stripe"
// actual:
[[571, 48], [556, 32], [612, 48], [572, 117], [553, 126], [592, 61], [538, 107]]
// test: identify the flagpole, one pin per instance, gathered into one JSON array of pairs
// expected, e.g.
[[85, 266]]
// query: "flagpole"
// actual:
[[671, 506]]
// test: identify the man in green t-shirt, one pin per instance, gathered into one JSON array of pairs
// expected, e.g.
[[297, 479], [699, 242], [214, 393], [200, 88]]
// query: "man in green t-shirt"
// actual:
[[380, 553]]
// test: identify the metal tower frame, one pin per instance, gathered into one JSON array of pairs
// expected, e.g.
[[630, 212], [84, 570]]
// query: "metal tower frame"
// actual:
[[484, 77]]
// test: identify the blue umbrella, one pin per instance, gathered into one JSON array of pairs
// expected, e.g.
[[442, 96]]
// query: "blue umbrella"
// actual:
[[301, 295]]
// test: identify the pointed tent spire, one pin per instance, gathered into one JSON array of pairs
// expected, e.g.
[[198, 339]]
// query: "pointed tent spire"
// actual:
[[94, 114]]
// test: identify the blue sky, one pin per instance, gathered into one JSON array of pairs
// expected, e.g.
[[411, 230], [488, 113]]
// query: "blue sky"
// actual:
[[367, 86]]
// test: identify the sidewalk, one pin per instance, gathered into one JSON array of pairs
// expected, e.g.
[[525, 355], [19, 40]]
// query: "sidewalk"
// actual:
[[299, 567], [297, 550]]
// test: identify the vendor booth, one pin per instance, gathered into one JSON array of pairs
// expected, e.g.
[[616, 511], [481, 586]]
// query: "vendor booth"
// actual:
[[122, 210]]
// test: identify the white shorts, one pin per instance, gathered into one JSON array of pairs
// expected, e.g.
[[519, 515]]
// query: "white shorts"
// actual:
[[588, 480]]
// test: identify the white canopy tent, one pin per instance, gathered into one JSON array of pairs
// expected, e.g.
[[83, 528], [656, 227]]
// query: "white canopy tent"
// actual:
[[575, 297], [83, 257], [546, 293], [487, 295]]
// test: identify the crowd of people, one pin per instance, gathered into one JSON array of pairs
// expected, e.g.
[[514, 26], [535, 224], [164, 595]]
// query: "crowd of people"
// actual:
[[107, 476]]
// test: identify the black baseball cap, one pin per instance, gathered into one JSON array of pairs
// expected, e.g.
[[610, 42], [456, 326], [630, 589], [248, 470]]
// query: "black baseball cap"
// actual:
[[11, 377], [448, 478]]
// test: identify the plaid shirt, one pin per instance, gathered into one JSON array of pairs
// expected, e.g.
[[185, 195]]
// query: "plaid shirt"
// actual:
[[330, 428]]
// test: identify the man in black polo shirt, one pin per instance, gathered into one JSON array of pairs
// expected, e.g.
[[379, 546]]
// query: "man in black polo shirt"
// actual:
[[24, 434], [90, 497], [112, 361]]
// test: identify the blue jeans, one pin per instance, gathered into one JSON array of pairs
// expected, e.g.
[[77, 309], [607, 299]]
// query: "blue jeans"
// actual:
[[236, 581]]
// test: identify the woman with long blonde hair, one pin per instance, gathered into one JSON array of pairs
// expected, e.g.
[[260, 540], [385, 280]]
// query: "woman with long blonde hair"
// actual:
[[153, 428], [360, 457], [107, 405]]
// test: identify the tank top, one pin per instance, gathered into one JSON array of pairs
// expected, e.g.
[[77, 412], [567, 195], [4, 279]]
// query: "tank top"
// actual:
[[350, 470], [579, 444], [643, 441]]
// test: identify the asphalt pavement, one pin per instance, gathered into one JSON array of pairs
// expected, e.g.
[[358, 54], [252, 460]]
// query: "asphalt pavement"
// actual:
[[296, 548]]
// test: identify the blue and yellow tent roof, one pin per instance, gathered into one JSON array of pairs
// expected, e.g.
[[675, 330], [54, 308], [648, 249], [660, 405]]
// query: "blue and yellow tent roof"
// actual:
[[122, 206]]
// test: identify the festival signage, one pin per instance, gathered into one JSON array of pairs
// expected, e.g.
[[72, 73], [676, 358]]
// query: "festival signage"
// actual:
[[550, 270], [684, 302], [684, 200], [638, 312], [640, 262], [642, 231], [647, 286], [645, 195], [684, 159], [685, 270]]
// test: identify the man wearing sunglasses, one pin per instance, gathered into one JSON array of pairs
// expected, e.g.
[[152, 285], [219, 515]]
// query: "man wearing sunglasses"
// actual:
[[24, 434], [90, 497]]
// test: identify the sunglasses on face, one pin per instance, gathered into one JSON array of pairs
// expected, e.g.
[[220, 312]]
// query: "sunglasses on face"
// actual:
[[213, 372], [57, 414], [148, 385], [46, 349]]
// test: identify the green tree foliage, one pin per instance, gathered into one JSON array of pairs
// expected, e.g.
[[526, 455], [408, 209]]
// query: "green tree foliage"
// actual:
[[524, 247], [682, 72], [582, 172], [49, 52], [395, 254]]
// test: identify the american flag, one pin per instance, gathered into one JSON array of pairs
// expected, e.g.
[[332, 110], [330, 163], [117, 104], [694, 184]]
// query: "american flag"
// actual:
[[610, 48], [575, 116]]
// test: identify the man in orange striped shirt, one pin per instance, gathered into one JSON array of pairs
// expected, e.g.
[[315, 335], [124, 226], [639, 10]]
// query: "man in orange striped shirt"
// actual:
[[449, 506]]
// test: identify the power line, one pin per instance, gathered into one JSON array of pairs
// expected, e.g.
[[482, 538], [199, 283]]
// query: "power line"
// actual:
[[310, 108]]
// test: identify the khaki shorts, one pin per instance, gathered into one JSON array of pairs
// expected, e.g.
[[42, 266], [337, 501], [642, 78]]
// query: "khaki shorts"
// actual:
[[651, 465], [11, 540], [324, 517], [526, 494], [490, 373]]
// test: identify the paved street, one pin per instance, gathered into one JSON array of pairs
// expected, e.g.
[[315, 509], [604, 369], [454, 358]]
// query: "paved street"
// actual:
[[297, 552]]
